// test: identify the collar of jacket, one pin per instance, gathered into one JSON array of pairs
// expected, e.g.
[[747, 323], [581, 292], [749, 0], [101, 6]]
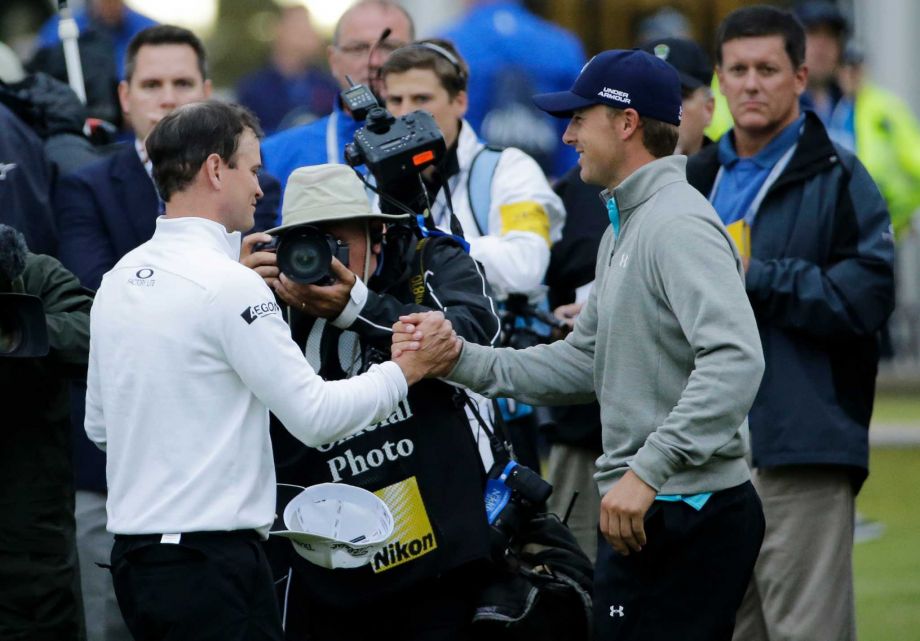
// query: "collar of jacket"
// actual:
[[202, 232], [643, 183], [814, 153]]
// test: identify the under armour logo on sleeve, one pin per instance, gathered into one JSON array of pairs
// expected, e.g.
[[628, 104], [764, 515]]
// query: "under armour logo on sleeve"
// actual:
[[616, 611]]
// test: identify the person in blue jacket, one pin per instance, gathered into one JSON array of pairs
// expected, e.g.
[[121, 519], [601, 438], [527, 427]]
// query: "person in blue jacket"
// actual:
[[513, 54], [112, 18], [816, 239], [364, 37]]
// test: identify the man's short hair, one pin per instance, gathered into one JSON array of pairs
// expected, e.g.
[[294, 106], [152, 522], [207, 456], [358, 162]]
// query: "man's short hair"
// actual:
[[658, 137], [164, 34], [385, 5], [761, 20], [435, 54], [180, 143]]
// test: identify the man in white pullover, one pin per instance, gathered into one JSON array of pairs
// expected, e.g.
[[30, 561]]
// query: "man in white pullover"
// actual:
[[188, 352]]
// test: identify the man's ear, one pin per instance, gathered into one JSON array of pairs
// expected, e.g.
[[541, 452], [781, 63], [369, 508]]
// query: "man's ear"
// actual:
[[801, 79], [123, 90], [212, 168], [630, 123], [709, 109], [461, 103]]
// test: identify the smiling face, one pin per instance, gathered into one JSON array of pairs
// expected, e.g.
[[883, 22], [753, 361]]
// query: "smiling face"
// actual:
[[760, 84], [165, 77], [593, 134], [241, 177], [421, 89]]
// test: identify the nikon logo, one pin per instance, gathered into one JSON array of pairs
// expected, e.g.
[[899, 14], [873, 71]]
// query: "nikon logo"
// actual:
[[398, 552]]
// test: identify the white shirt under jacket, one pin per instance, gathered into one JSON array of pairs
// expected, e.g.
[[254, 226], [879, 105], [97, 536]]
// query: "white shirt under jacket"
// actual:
[[525, 217], [188, 352]]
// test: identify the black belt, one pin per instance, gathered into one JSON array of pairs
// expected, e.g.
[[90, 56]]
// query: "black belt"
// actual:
[[191, 536]]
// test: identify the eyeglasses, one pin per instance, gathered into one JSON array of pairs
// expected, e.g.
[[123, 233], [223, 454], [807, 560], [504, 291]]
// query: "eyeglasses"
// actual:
[[362, 49]]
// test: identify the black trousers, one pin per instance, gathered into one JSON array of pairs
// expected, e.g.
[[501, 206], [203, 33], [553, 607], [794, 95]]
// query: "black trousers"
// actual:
[[437, 609], [689, 580], [209, 586]]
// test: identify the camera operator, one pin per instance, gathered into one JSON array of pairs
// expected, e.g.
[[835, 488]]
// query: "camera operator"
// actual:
[[426, 581], [188, 352], [44, 339], [508, 211]]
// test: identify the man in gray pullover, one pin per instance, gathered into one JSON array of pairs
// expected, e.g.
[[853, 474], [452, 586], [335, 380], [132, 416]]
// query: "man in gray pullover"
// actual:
[[668, 344]]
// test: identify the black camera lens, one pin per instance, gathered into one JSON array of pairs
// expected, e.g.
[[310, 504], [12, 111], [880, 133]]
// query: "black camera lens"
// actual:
[[304, 256], [10, 333], [23, 328]]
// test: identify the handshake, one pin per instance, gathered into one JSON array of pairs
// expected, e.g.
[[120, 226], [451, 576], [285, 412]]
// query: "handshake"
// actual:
[[425, 345]]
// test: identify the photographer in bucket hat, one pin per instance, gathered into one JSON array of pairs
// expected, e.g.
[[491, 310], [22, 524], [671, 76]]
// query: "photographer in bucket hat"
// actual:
[[668, 345], [422, 461]]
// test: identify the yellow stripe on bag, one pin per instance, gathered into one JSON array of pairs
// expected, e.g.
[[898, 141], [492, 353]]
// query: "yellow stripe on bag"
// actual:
[[413, 535], [527, 215], [740, 233]]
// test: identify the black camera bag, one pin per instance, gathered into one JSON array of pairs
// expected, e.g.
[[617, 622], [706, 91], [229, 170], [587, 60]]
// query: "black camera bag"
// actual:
[[542, 591]]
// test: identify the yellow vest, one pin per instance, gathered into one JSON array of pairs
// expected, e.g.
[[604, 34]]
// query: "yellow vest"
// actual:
[[888, 144]]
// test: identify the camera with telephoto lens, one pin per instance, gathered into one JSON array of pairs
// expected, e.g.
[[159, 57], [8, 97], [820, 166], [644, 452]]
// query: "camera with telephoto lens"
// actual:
[[305, 254], [395, 150], [514, 493], [23, 327]]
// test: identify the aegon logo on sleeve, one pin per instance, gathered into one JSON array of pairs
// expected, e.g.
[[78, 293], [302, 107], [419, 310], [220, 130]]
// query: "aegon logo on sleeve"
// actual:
[[257, 311]]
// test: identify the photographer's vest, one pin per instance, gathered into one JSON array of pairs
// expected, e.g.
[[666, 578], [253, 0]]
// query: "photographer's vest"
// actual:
[[421, 461]]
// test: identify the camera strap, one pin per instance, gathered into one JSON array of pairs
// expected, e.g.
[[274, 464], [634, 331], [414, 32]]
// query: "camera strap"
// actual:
[[499, 440]]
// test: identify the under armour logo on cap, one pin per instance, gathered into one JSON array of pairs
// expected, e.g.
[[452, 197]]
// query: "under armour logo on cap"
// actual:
[[622, 79]]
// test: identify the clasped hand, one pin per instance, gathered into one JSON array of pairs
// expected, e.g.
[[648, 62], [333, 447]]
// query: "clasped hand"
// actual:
[[425, 345]]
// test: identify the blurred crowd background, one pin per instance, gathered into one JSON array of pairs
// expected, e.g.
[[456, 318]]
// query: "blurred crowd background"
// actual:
[[272, 56], [256, 47]]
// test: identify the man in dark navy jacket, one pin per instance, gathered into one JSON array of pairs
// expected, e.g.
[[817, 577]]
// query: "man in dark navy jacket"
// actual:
[[105, 210], [816, 239]]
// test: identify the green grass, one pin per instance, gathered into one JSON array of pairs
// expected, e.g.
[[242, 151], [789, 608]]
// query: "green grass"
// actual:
[[887, 570], [898, 408]]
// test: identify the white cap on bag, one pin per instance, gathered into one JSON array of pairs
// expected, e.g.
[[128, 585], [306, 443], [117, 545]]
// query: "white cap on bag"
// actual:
[[335, 525]]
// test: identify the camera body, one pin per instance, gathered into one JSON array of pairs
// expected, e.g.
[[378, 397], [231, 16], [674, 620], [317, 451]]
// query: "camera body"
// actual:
[[305, 254], [395, 150], [513, 494]]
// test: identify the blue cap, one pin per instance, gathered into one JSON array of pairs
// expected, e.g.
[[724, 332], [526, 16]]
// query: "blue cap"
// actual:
[[622, 79]]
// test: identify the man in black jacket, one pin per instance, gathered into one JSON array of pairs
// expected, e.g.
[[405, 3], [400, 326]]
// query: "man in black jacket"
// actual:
[[39, 585], [423, 460], [816, 239]]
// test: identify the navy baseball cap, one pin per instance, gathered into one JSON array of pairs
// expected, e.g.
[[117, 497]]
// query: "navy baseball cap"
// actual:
[[622, 79], [692, 63]]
